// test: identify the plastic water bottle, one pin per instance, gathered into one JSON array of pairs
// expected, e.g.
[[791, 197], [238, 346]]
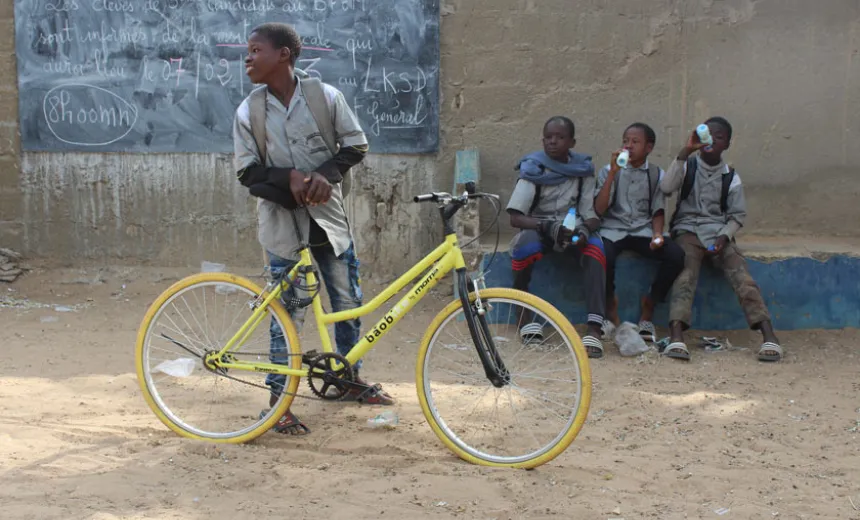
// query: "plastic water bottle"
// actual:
[[623, 159], [387, 419], [658, 241], [570, 223], [705, 136]]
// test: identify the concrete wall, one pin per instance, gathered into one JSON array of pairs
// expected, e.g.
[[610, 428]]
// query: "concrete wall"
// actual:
[[782, 71]]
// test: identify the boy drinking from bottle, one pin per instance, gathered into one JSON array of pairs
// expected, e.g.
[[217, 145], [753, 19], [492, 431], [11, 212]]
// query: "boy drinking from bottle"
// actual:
[[711, 209], [631, 206], [551, 182]]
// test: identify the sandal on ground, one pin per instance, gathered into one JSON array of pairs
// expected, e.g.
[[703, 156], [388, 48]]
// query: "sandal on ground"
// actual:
[[373, 395], [677, 350], [531, 333], [593, 346], [648, 331], [289, 424], [769, 351]]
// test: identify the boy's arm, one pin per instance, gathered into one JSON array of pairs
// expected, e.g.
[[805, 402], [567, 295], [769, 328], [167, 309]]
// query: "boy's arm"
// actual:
[[605, 181], [736, 212], [671, 182], [586, 205], [350, 137], [519, 206], [658, 207], [673, 178]]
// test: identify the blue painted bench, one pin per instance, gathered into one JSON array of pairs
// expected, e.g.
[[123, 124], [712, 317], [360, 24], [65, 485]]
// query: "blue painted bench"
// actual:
[[801, 292]]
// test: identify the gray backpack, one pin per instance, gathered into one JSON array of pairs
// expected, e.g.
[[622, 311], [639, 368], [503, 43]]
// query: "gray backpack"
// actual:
[[312, 88]]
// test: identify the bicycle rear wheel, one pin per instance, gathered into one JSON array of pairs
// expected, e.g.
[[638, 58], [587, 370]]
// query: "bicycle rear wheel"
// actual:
[[198, 315], [531, 419]]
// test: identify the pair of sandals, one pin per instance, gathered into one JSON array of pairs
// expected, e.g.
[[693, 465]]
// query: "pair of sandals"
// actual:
[[533, 333], [769, 351], [290, 424]]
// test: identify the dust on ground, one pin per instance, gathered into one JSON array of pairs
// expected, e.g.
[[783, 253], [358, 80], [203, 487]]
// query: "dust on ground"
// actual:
[[664, 439]]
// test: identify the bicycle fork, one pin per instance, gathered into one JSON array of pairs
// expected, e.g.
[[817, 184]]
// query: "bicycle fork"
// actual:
[[494, 367]]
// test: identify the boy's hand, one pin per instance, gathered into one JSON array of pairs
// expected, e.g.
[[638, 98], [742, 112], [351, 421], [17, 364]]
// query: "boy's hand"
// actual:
[[721, 243], [656, 242], [613, 164], [319, 189], [694, 144], [298, 186]]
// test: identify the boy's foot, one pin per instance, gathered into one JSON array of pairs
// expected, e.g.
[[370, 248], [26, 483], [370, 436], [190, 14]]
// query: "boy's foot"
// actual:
[[289, 424], [371, 394], [677, 348], [591, 341], [531, 333], [770, 349], [646, 326]]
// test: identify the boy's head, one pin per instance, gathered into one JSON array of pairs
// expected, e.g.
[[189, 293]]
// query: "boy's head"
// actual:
[[639, 139], [558, 137], [273, 49], [721, 131]]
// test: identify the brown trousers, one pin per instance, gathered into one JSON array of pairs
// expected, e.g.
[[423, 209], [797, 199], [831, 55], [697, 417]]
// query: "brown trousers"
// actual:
[[733, 265]]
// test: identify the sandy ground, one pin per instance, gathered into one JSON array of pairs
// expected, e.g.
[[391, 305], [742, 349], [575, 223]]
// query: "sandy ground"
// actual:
[[663, 440]]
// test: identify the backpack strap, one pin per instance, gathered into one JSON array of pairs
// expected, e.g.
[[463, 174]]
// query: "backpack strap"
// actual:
[[686, 186], [257, 108], [314, 93], [727, 184], [653, 173], [535, 200]]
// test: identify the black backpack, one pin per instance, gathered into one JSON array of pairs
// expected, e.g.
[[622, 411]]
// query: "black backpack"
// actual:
[[690, 178], [653, 170]]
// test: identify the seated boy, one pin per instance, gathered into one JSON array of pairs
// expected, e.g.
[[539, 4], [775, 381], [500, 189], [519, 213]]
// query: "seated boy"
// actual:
[[630, 204], [711, 209], [550, 182]]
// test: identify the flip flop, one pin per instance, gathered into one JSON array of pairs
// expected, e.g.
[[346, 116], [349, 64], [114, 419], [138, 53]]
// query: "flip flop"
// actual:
[[677, 350], [531, 333], [769, 346], [288, 424], [648, 331], [593, 346]]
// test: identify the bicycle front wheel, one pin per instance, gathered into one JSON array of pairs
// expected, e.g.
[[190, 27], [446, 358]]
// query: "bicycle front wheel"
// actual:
[[532, 418], [196, 316]]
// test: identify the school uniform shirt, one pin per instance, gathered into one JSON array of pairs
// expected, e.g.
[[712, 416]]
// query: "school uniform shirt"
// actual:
[[293, 140], [700, 213], [628, 215], [555, 200]]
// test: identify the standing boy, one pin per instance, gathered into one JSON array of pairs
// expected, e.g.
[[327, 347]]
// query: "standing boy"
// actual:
[[299, 169], [631, 206], [711, 209], [550, 182]]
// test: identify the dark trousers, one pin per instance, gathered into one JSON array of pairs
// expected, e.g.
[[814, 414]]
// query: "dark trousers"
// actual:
[[529, 248], [670, 256]]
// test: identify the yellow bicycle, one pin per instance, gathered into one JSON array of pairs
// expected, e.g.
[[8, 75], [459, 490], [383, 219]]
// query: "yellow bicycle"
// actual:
[[492, 395]]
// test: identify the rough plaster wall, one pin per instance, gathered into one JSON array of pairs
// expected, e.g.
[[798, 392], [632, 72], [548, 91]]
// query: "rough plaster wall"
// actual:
[[785, 72], [177, 209]]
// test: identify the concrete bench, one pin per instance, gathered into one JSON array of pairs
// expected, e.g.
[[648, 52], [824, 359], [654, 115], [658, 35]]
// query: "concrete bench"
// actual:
[[809, 291]]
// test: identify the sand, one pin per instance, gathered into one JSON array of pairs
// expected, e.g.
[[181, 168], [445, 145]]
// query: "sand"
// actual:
[[664, 439]]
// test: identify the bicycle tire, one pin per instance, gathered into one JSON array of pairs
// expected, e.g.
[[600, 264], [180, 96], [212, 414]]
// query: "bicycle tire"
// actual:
[[277, 309], [583, 365]]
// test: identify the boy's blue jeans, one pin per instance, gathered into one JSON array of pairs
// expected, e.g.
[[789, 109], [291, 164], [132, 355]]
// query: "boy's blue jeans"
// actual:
[[342, 281]]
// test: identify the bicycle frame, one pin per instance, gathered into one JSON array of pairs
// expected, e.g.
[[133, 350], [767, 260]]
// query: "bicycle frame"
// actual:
[[441, 261]]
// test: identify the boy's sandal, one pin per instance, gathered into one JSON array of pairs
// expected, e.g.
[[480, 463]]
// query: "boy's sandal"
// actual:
[[593, 346], [648, 331], [373, 395], [288, 424], [769, 351], [677, 350], [531, 333]]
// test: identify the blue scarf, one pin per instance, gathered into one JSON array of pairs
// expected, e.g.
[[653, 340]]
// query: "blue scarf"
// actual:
[[539, 168]]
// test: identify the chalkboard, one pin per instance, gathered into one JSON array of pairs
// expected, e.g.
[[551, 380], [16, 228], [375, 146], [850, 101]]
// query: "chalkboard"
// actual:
[[167, 75]]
